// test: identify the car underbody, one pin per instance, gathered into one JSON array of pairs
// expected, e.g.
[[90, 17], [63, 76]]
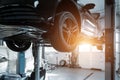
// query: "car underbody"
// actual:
[[55, 23]]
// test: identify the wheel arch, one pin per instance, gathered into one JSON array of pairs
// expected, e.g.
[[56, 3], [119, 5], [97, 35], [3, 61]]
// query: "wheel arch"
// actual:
[[48, 8]]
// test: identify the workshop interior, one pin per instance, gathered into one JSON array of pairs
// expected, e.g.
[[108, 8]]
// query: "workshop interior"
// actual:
[[59, 40]]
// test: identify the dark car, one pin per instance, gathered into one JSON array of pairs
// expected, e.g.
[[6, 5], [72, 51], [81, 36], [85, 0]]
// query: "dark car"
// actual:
[[63, 23], [91, 28]]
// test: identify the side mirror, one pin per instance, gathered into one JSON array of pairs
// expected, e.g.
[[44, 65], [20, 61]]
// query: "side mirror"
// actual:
[[89, 6]]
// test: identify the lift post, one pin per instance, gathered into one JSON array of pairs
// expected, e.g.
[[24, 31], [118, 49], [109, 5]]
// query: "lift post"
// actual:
[[21, 61], [109, 39], [35, 49], [21, 64]]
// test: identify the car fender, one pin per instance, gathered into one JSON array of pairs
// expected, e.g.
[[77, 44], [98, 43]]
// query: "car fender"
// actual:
[[47, 8]]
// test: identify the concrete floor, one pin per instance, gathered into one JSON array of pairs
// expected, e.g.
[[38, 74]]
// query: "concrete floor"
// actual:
[[65, 73]]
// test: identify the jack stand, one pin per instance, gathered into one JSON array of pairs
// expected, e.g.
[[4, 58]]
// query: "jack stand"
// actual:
[[21, 64], [35, 49]]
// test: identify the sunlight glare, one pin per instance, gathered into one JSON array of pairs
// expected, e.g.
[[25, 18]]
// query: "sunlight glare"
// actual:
[[84, 48]]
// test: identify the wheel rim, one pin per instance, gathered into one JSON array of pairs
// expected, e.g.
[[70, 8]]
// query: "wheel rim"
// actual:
[[70, 31], [19, 44], [66, 32]]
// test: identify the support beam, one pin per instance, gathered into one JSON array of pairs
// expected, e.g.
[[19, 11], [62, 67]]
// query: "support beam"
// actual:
[[43, 51], [74, 58], [109, 39], [35, 49]]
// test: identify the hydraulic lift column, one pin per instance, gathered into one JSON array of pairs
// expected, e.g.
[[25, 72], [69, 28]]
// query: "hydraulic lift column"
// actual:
[[109, 39], [35, 49], [21, 64]]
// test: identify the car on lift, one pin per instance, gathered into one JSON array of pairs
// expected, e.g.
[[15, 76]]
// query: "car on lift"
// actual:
[[63, 23]]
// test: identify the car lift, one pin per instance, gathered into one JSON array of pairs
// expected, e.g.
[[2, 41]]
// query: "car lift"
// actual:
[[21, 61], [109, 39], [109, 46], [21, 64], [36, 54]]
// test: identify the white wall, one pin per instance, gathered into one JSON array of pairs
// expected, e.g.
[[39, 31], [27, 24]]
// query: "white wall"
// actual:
[[92, 58], [11, 65], [54, 57], [88, 58], [117, 38], [4, 64]]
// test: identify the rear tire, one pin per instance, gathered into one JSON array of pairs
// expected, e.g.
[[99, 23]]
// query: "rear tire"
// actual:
[[18, 45], [66, 31]]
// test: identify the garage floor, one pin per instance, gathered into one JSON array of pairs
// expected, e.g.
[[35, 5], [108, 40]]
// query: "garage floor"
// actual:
[[65, 73]]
